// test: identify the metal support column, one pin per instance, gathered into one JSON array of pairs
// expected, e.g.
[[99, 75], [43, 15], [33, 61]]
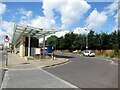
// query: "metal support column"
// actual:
[[29, 46], [44, 45]]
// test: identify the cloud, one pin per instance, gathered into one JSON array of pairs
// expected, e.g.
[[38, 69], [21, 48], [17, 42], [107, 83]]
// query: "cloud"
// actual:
[[2, 34], [80, 31], [38, 21], [24, 12], [70, 11], [43, 22], [117, 21], [2, 8], [48, 7], [61, 33], [112, 7], [112, 10], [6, 29], [58, 34], [96, 20], [25, 16], [117, 17]]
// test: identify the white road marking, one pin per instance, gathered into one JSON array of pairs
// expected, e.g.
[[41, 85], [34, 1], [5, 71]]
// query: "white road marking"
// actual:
[[23, 69], [107, 59], [67, 83], [113, 63], [5, 80]]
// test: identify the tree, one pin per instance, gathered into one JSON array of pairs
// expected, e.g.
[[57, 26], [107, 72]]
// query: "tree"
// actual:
[[91, 40], [118, 38], [115, 40], [69, 40], [79, 42], [52, 41], [73, 41], [61, 43]]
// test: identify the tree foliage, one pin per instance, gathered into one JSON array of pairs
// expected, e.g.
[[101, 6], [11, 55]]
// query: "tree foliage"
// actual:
[[71, 41]]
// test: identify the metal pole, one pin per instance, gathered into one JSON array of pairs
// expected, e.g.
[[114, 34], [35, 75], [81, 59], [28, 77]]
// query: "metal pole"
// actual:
[[86, 40], [29, 46], [44, 45], [6, 57]]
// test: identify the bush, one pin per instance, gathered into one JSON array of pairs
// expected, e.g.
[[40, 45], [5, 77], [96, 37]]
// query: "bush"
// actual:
[[109, 53], [98, 53], [112, 55], [106, 54]]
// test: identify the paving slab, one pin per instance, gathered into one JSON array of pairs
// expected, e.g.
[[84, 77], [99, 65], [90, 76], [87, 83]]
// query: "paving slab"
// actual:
[[29, 74], [33, 78], [1, 67]]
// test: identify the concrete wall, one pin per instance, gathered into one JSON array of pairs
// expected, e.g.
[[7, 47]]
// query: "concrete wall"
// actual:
[[22, 46]]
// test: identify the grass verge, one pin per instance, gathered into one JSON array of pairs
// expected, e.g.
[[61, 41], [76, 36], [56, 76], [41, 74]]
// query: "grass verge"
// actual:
[[115, 54]]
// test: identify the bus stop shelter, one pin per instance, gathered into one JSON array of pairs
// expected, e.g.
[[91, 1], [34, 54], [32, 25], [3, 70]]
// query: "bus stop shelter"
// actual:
[[26, 37]]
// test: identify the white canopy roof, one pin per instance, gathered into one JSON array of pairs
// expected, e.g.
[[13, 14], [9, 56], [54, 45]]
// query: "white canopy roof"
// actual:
[[20, 30]]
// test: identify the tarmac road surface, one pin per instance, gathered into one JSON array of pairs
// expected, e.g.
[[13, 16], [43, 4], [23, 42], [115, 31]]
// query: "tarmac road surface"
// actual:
[[87, 72]]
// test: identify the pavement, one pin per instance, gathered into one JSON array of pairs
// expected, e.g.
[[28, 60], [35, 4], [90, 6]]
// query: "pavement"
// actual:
[[22, 73], [2, 64], [16, 62], [0, 68], [88, 72], [50, 63]]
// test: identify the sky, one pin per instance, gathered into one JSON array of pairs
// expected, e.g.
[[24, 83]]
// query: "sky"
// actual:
[[67, 16]]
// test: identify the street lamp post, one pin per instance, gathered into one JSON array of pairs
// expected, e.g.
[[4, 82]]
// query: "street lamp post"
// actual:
[[86, 39]]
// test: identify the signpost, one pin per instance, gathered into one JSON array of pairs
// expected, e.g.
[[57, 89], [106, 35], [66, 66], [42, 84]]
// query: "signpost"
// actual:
[[6, 40]]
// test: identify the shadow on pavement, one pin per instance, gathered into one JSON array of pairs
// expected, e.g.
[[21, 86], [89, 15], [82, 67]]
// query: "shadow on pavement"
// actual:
[[63, 56]]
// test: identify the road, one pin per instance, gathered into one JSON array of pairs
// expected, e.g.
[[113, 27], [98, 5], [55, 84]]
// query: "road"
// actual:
[[87, 72]]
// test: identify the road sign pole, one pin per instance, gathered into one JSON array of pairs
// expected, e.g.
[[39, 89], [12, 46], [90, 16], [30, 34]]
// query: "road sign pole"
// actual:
[[6, 40], [6, 57]]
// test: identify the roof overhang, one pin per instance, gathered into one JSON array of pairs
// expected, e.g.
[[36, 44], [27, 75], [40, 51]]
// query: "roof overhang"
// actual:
[[35, 32]]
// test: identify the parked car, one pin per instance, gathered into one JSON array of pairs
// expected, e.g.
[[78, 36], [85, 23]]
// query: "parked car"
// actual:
[[88, 53]]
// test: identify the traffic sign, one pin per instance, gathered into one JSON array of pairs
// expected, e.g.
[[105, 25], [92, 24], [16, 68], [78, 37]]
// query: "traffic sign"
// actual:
[[6, 39]]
